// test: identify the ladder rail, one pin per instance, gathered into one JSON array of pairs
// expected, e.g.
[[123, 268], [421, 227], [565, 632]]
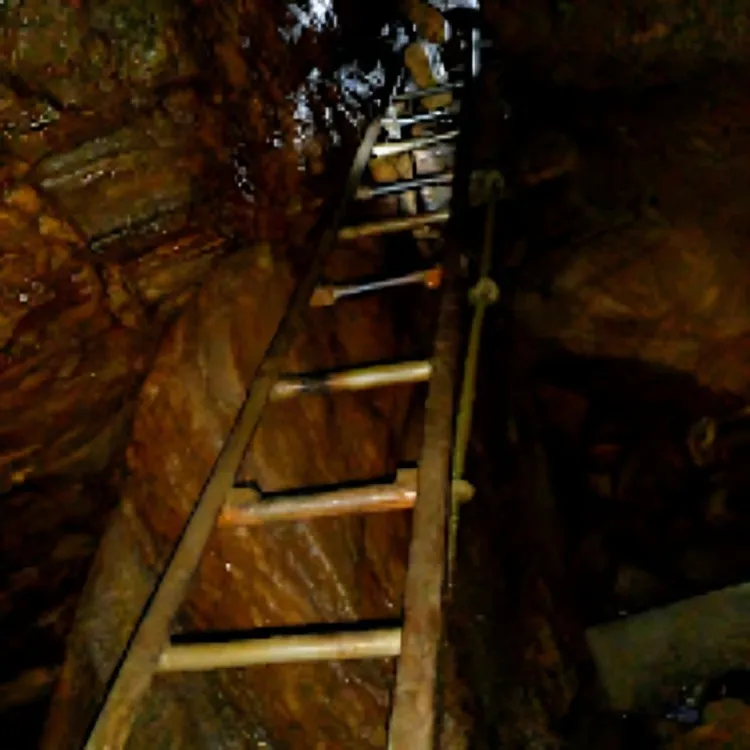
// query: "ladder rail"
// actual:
[[134, 672], [413, 722], [415, 716]]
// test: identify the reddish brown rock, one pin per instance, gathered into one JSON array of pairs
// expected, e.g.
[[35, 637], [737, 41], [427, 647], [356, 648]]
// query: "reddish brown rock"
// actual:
[[327, 571], [595, 43]]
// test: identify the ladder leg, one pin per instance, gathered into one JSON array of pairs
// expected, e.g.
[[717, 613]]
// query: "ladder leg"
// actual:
[[134, 673], [413, 719]]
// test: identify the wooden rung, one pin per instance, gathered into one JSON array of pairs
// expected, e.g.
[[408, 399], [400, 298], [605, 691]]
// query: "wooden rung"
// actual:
[[394, 148], [285, 649], [246, 507], [330, 294], [397, 224], [357, 379]]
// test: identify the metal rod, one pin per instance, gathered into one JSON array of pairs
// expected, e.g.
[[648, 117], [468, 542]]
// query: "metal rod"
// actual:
[[435, 114], [394, 148], [358, 379], [413, 719], [247, 507], [244, 509], [389, 226], [133, 674], [469, 381], [400, 186], [286, 649], [327, 295], [419, 93]]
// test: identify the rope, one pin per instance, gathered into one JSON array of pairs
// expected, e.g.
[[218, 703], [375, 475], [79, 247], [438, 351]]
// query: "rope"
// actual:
[[481, 296]]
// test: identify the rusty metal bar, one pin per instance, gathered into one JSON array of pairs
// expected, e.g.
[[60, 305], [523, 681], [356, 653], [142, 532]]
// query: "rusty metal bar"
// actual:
[[389, 226], [401, 186], [248, 507], [413, 718], [435, 114], [286, 649], [419, 93], [327, 295], [399, 147], [358, 379], [133, 674]]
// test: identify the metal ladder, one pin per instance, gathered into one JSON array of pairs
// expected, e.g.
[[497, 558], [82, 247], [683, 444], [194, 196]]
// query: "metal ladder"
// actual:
[[430, 489]]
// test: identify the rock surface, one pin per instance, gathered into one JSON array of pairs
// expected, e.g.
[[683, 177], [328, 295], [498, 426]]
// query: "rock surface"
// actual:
[[119, 121], [659, 275], [596, 44], [140, 142], [326, 571]]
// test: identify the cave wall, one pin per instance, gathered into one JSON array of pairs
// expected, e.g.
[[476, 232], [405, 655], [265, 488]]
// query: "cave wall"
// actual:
[[650, 267], [326, 571], [595, 44], [138, 142]]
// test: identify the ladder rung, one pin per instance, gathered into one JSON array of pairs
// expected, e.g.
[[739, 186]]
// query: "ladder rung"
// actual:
[[419, 93], [397, 224], [399, 147], [327, 295], [403, 120], [356, 379], [400, 186], [247, 507], [282, 649]]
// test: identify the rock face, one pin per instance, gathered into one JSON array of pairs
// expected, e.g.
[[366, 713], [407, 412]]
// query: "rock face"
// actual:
[[659, 276], [327, 571], [596, 44], [140, 140]]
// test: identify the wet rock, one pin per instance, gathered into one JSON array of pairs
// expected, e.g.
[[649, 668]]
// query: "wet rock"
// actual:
[[139, 179], [328, 571], [80, 53]]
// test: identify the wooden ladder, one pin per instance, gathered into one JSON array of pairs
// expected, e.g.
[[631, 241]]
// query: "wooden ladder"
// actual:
[[429, 489]]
